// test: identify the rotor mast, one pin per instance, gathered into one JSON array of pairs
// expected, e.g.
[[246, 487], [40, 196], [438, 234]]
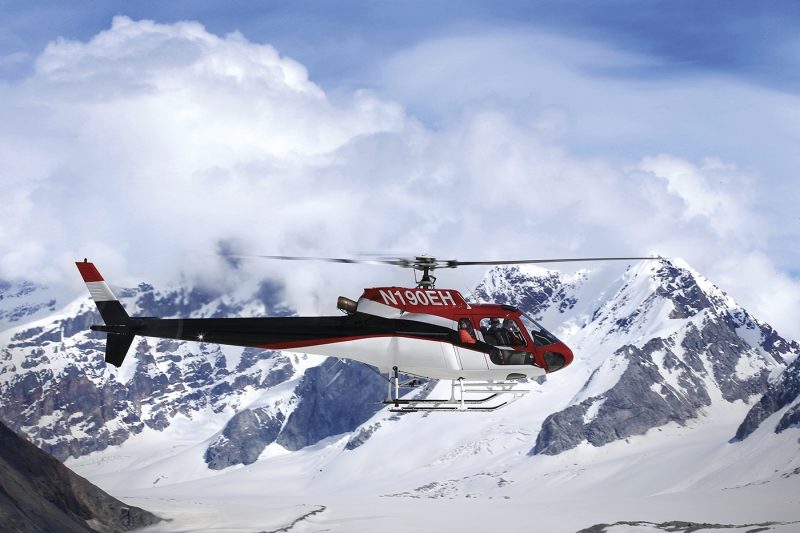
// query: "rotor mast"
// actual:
[[425, 264]]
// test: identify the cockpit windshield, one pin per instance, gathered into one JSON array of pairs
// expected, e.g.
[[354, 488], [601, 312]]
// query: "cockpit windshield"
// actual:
[[540, 336]]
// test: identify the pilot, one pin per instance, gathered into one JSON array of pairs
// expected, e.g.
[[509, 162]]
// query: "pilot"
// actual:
[[463, 331], [500, 333]]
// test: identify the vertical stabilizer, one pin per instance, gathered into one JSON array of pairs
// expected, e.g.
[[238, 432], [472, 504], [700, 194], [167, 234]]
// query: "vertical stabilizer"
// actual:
[[110, 308], [117, 344]]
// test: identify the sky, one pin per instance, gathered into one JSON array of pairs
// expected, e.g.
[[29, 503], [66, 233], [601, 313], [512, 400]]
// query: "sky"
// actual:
[[150, 135]]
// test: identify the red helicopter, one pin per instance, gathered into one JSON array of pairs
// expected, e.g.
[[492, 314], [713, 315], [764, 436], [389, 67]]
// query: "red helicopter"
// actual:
[[420, 332]]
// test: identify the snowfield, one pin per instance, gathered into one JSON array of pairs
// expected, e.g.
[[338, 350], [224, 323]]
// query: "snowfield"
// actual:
[[465, 472]]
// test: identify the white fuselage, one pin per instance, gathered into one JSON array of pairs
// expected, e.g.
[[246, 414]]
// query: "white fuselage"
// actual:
[[429, 358], [437, 360]]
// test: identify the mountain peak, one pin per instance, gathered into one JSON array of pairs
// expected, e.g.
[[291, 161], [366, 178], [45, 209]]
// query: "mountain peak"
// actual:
[[658, 340]]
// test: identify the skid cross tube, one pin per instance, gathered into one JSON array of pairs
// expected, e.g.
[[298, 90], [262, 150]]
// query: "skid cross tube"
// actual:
[[492, 390], [449, 408]]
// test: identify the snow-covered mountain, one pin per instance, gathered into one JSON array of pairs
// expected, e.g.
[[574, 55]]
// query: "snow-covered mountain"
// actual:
[[56, 388], [667, 368], [23, 301], [662, 344]]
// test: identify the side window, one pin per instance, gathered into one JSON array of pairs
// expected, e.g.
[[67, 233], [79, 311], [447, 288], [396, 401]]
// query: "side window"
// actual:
[[498, 331], [466, 331]]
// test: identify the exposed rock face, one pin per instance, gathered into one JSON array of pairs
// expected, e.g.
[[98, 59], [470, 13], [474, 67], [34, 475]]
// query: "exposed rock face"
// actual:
[[724, 350], [333, 398], [789, 419], [244, 438], [362, 436], [784, 392], [56, 388], [537, 293], [663, 342], [641, 400], [37, 493]]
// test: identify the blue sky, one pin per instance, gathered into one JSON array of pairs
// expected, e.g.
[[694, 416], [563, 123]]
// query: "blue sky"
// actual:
[[344, 44], [570, 128], [340, 41]]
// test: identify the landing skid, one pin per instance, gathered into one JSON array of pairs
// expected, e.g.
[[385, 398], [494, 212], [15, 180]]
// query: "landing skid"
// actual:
[[508, 391]]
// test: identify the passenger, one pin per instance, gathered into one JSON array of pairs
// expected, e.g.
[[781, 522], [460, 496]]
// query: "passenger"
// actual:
[[513, 332], [463, 331], [500, 333]]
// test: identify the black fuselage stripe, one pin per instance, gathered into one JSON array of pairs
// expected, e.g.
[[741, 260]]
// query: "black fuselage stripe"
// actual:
[[292, 330]]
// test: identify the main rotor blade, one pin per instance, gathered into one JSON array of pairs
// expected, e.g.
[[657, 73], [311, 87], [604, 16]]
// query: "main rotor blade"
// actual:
[[430, 263], [455, 263], [398, 261]]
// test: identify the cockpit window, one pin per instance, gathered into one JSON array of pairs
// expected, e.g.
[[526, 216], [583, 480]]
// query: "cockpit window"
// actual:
[[540, 336], [499, 331]]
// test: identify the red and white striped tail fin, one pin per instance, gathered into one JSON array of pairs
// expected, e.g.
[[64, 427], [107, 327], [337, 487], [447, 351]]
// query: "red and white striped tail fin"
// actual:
[[97, 286], [117, 343], [109, 306]]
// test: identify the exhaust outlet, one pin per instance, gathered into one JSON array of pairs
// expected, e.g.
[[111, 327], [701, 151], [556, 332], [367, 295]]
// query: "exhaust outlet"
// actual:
[[346, 304]]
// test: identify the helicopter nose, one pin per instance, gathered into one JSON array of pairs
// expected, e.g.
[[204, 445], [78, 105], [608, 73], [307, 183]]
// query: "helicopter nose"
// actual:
[[557, 357]]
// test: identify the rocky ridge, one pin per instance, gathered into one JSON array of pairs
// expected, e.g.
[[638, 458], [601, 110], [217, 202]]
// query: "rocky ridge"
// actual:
[[38, 493], [56, 388], [782, 395], [662, 342]]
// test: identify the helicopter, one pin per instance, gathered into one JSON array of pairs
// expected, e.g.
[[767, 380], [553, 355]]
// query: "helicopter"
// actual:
[[491, 350]]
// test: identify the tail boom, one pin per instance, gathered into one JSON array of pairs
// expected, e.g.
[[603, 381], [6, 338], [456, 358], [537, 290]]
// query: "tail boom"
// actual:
[[273, 333]]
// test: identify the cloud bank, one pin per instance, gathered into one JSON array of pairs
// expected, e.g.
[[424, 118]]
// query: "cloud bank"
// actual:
[[150, 146]]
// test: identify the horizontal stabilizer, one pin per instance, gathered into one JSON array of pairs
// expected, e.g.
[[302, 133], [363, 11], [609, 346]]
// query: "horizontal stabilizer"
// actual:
[[117, 348]]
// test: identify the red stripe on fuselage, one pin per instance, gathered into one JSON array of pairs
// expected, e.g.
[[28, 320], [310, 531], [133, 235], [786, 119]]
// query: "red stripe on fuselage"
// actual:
[[89, 272]]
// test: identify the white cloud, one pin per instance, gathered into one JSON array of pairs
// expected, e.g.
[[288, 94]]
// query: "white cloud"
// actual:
[[771, 294], [164, 138], [146, 146], [713, 191]]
